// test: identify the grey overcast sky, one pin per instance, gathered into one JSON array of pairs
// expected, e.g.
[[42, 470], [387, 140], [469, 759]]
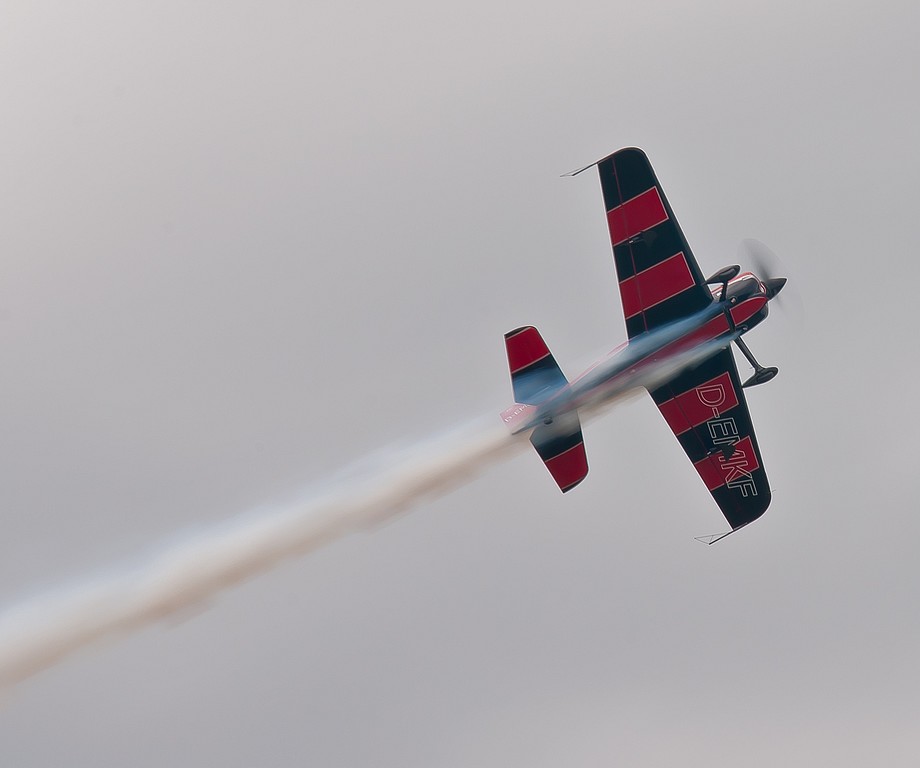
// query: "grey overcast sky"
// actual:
[[244, 244]]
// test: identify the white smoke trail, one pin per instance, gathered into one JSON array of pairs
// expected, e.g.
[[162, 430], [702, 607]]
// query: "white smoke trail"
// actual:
[[42, 631]]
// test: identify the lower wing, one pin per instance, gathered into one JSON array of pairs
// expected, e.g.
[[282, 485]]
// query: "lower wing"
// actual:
[[706, 410]]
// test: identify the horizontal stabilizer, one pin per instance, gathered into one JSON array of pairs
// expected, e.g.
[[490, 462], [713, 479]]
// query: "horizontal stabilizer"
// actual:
[[562, 449], [535, 375]]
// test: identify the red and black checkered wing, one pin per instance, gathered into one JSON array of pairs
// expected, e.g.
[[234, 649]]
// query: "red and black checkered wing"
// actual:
[[659, 279], [706, 410]]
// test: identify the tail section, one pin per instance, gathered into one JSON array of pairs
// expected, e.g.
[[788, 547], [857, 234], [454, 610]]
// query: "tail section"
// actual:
[[562, 449], [535, 376]]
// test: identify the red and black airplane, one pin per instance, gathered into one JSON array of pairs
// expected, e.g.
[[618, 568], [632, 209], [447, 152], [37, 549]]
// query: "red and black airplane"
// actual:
[[680, 328]]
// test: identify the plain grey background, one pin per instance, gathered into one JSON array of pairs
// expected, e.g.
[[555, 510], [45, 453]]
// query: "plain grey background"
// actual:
[[244, 244]]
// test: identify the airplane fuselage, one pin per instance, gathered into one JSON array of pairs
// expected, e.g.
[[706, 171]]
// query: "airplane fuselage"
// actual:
[[640, 361]]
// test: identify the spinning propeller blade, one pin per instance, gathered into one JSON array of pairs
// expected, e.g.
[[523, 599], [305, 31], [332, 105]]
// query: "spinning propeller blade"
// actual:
[[771, 271]]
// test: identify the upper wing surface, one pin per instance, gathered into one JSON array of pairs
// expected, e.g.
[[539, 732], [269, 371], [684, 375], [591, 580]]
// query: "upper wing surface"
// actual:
[[706, 410], [659, 279]]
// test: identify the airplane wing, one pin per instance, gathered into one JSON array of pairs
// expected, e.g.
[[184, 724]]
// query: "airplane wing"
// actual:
[[659, 279], [706, 410], [660, 282]]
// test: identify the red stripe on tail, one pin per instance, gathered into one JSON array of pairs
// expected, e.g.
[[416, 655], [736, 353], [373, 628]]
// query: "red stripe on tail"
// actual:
[[525, 347], [569, 468]]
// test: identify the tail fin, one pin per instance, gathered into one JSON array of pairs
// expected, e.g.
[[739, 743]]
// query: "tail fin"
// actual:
[[535, 376]]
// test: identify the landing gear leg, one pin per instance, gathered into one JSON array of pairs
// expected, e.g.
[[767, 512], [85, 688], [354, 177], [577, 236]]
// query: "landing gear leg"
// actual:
[[761, 375]]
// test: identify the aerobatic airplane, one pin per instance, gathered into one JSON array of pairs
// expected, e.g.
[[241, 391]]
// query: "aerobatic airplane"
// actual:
[[680, 328]]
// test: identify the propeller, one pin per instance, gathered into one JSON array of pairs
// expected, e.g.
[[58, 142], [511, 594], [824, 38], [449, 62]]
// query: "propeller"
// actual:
[[770, 269], [766, 263]]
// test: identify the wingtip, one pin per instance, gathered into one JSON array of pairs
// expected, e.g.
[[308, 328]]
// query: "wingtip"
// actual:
[[578, 170], [603, 159]]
